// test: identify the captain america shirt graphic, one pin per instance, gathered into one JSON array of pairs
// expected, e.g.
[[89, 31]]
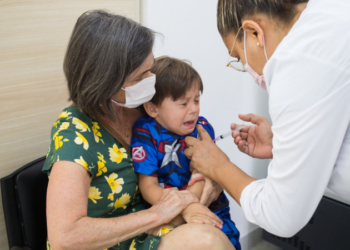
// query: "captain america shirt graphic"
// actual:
[[159, 152]]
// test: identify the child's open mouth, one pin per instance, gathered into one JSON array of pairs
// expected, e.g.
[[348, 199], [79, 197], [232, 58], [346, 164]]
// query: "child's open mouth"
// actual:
[[189, 124]]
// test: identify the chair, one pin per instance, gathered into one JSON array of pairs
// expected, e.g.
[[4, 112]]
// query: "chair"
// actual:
[[24, 200], [328, 229]]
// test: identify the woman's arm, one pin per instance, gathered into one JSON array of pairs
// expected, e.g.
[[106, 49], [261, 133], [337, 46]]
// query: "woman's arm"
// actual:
[[70, 228], [197, 213]]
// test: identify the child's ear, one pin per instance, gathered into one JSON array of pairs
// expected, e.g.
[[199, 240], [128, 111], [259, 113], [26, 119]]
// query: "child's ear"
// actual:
[[151, 109]]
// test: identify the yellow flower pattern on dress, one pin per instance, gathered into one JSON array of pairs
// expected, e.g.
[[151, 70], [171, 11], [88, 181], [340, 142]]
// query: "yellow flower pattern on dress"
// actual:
[[82, 126], [82, 162], [137, 191], [116, 154], [94, 194], [132, 245], [58, 142], [56, 123], [164, 231], [101, 164], [97, 134], [122, 201], [81, 140], [114, 183], [111, 197], [63, 126], [48, 247], [64, 114]]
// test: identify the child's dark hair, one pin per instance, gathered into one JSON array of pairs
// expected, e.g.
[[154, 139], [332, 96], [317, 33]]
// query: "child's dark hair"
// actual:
[[173, 78]]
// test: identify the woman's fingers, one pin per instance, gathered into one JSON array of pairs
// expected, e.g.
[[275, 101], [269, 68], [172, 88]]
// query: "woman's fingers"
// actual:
[[172, 202], [210, 218], [211, 192], [205, 220], [188, 151], [237, 140], [255, 119], [198, 213], [191, 141], [245, 129], [204, 154], [241, 135], [242, 146], [195, 178], [203, 134], [213, 218]]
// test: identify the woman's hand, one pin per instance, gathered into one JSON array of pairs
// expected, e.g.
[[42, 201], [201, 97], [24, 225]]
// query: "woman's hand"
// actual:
[[204, 154], [211, 189], [198, 213], [171, 203], [255, 141]]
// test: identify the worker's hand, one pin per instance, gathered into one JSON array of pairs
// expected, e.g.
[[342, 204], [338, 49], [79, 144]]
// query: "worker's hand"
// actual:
[[255, 141], [205, 156], [211, 189]]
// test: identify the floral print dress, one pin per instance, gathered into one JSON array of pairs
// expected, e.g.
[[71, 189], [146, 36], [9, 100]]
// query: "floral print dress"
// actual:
[[113, 189]]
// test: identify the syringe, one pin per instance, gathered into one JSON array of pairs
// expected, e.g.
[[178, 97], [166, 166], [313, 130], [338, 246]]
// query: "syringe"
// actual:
[[229, 133]]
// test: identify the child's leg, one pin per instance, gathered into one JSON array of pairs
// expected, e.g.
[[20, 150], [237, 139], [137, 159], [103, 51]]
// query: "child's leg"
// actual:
[[229, 227]]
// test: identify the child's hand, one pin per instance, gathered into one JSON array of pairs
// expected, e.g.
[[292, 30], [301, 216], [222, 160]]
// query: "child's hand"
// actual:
[[198, 213]]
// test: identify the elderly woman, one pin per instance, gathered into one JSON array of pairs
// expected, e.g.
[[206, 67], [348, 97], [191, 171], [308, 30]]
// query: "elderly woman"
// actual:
[[93, 200]]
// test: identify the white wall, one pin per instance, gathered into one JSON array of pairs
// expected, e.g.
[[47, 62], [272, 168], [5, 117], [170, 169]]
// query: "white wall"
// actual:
[[189, 30]]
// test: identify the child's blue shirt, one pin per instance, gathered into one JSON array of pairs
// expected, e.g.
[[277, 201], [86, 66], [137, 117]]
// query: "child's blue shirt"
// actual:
[[159, 152]]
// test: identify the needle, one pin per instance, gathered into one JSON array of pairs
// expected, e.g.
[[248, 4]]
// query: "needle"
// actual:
[[220, 137]]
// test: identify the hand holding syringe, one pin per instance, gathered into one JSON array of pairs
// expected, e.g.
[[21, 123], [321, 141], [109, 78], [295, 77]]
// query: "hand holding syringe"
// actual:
[[220, 137]]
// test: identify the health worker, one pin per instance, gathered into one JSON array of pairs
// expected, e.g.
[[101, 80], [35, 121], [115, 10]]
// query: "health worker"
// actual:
[[299, 51]]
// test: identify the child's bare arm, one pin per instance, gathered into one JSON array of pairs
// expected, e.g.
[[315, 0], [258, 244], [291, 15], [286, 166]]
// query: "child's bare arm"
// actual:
[[151, 192], [150, 189], [197, 188]]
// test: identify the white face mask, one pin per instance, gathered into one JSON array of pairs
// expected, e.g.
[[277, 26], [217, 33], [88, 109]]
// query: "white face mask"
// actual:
[[259, 79], [139, 93]]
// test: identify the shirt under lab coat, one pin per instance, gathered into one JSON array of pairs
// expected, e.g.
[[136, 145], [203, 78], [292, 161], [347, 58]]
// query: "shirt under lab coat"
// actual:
[[308, 81]]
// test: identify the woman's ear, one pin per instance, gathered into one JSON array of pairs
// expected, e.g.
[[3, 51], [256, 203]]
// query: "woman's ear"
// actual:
[[254, 29], [151, 109]]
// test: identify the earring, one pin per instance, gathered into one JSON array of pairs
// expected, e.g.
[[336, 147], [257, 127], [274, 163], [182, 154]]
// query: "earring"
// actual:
[[258, 44]]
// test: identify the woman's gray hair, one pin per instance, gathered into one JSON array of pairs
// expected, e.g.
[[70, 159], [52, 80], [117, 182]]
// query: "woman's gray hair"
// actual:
[[103, 50], [230, 13]]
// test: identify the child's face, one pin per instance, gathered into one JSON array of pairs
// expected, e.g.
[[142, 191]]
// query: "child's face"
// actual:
[[180, 117]]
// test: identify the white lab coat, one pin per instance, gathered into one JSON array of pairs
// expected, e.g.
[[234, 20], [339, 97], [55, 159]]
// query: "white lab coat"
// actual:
[[308, 81]]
